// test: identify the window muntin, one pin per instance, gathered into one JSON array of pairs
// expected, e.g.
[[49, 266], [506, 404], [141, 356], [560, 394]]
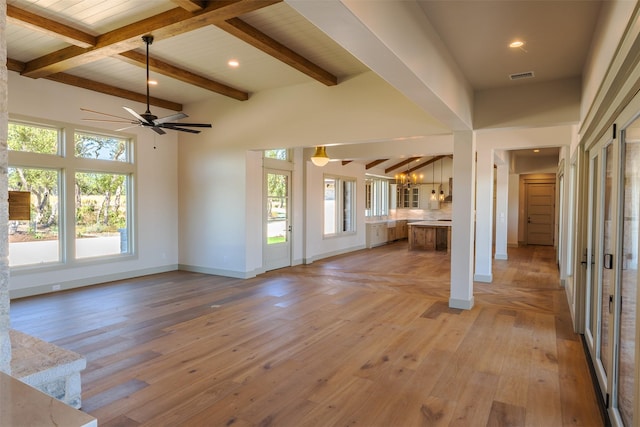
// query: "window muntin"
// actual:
[[101, 147], [35, 241], [339, 206], [30, 138]]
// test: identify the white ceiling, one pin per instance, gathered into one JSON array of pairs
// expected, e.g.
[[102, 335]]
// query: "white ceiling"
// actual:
[[476, 33]]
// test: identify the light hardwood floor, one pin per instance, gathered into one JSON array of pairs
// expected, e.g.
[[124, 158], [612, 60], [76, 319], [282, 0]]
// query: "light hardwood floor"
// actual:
[[365, 339]]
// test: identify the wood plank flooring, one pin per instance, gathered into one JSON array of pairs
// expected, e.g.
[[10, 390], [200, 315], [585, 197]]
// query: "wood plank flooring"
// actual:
[[365, 339]]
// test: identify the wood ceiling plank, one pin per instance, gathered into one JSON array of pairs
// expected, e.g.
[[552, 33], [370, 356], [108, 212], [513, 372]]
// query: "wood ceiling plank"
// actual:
[[50, 27], [399, 165], [259, 40], [167, 24], [161, 67], [375, 163]]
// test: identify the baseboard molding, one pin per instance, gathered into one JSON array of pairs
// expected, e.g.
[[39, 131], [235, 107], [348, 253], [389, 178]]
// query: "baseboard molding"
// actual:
[[596, 385], [89, 281], [318, 257], [484, 278], [501, 256], [461, 303], [220, 272], [512, 245]]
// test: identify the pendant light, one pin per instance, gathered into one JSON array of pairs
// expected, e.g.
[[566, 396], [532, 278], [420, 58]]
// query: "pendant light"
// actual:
[[320, 157], [441, 191], [433, 182]]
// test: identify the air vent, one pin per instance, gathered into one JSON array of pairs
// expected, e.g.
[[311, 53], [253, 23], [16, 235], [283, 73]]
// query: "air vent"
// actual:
[[525, 75]]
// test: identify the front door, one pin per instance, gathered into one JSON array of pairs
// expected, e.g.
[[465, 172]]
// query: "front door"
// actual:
[[277, 243], [540, 213]]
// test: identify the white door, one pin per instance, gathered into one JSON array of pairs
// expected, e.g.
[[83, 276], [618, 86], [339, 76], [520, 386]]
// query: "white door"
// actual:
[[601, 289], [277, 214]]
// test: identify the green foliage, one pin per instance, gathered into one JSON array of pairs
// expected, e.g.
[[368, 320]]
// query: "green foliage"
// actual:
[[32, 139], [99, 147]]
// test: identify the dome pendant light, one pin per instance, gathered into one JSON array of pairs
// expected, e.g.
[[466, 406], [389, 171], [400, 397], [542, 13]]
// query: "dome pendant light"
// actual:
[[320, 157]]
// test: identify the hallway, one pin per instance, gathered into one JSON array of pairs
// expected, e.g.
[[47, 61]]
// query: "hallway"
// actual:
[[361, 339]]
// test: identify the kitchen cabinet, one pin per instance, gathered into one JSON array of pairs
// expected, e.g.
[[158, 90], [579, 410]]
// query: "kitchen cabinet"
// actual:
[[376, 234], [430, 236]]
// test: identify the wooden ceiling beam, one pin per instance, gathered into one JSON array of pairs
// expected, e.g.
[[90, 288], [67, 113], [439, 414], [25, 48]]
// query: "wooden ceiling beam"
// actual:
[[425, 164], [164, 25], [259, 40], [399, 165], [375, 163], [346, 162], [161, 67], [191, 5], [50, 27], [83, 83]]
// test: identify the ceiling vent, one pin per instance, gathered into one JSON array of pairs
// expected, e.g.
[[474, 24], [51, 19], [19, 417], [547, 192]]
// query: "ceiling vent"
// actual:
[[520, 76]]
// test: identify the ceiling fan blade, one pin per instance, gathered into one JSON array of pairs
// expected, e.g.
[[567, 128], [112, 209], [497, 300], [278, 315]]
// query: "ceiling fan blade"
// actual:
[[193, 125], [183, 129], [137, 116], [170, 118], [128, 127], [157, 130], [104, 114], [110, 121]]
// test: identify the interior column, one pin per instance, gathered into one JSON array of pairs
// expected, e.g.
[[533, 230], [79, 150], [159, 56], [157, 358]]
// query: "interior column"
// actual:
[[5, 343], [484, 214], [502, 207], [464, 167]]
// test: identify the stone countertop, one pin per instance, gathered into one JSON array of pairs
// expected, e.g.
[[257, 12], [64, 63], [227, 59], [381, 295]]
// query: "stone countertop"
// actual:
[[23, 405], [431, 223]]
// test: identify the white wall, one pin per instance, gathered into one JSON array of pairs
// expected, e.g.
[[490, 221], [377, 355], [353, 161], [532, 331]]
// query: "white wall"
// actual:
[[317, 246], [219, 221], [156, 183]]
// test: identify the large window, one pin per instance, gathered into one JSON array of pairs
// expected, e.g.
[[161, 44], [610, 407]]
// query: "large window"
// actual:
[[376, 197], [339, 205], [80, 194]]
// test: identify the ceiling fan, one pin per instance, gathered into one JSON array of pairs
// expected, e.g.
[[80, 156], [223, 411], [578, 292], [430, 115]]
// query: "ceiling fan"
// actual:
[[147, 119]]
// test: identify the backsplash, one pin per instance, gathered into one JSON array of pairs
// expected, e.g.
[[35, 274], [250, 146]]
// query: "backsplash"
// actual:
[[427, 214]]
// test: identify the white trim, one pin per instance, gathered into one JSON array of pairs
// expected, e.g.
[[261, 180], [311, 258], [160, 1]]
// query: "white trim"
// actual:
[[461, 304], [484, 278], [501, 256]]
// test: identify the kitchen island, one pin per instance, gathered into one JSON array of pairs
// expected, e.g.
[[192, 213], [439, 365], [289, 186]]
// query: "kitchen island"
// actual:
[[431, 235]]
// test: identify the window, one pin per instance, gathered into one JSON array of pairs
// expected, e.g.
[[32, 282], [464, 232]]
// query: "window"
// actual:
[[376, 197], [278, 154], [35, 241], [339, 205], [85, 174]]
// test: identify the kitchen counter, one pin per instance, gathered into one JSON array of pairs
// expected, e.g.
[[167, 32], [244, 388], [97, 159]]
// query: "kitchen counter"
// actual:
[[430, 235]]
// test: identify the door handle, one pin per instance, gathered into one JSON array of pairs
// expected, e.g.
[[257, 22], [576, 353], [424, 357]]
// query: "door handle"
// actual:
[[529, 220]]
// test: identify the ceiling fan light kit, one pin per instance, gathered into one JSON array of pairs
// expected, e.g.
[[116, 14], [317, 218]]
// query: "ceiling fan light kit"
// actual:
[[147, 119]]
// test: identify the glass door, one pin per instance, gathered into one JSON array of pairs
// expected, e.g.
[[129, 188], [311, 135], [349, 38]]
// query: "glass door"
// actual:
[[277, 244], [626, 359], [600, 260]]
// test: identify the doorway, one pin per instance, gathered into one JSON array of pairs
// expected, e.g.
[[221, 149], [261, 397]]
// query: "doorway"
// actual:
[[277, 214], [539, 209]]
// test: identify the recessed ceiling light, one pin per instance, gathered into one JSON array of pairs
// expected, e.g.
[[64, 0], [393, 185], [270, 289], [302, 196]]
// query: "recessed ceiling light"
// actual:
[[516, 44], [152, 82], [536, 151], [233, 63]]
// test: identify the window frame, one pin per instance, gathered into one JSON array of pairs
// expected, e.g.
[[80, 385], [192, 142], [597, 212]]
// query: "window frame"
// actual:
[[340, 206], [67, 165]]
